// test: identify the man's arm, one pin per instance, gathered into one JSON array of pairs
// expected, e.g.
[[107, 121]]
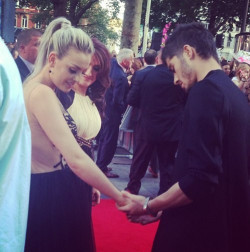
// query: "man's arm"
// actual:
[[133, 97], [174, 197], [119, 92]]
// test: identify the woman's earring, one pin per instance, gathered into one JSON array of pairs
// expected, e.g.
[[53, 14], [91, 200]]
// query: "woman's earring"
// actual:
[[49, 71]]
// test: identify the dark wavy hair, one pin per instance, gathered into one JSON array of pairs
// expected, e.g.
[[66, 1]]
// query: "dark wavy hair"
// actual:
[[97, 89]]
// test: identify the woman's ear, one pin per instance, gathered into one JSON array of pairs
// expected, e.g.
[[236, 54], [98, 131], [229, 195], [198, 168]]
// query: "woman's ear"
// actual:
[[52, 59]]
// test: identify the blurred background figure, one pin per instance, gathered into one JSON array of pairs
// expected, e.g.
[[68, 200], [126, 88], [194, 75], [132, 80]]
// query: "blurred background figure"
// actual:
[[137, 65], [225, 67], [113, 54], [15, 156], [116, 105], [13, 50], [27, 45], [241, 75]]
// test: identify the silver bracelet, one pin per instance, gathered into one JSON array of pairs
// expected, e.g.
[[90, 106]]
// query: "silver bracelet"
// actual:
[[145, 205], [146, 208]]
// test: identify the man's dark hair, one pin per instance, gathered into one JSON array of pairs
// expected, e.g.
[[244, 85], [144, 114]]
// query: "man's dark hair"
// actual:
[[24, 37], [193, 34], [150, 56]]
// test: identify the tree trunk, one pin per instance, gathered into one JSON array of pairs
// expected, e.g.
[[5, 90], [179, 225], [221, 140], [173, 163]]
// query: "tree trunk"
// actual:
[[131, 25], [59, 8]]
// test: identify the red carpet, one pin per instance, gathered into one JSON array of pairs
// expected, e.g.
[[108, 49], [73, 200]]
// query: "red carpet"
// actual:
[[114, 233]]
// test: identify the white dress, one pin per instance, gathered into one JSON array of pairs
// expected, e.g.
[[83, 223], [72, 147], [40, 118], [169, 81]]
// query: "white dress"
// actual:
[[86, 116]]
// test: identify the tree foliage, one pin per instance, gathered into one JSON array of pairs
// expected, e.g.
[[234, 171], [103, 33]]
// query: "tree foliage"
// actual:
[[75, 10], [98, 25], [219, 15]]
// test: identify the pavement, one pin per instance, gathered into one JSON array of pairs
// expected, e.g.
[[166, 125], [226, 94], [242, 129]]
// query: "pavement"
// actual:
[[121, 166]]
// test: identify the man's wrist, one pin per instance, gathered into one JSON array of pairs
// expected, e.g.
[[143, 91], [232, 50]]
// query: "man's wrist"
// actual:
[[147, 209], [145, 205]]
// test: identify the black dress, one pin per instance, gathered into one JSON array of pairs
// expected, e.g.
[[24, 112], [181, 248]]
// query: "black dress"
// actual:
[[59, 217], [212, 170]]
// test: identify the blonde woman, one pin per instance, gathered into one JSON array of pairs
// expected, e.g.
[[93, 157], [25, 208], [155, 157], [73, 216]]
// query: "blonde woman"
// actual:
[[57, 208], [241, 75]]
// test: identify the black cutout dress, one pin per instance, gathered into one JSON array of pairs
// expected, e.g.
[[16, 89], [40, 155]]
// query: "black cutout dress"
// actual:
[[59, 217]]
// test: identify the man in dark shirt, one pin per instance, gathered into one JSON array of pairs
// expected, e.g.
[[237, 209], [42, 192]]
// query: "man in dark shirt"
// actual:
[[207, 208]]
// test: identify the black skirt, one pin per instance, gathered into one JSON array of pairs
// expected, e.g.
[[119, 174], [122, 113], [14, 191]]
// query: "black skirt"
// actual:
[[59, 213]]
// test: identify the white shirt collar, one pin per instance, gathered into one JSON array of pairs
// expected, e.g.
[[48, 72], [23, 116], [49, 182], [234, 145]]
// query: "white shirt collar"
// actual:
[[123, 68]]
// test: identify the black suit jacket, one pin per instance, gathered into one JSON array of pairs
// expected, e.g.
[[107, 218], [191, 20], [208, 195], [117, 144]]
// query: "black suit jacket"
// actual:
[[23, 69], [115, 97], [133, 97], [162, 105]]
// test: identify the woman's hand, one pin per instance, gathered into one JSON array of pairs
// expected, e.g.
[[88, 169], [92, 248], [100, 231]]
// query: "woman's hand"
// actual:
[[96, 197], [133, 204]]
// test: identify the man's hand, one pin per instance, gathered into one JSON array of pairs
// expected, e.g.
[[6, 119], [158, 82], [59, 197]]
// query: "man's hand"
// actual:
[[144, 219]]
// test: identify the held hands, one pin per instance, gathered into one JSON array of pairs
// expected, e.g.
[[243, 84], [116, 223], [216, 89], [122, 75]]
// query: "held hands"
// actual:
[[135, 211], [133, 204], [144, 219]]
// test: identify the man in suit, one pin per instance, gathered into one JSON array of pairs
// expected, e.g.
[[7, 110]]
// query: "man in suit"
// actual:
[[27, 46], [207, 207], [133, 99], [161, 106], [115, 107]]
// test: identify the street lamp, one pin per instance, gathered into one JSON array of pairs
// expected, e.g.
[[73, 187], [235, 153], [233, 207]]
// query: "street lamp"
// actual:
[[146, 26]]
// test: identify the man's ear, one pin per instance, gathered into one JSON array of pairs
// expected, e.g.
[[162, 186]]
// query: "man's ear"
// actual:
[[21, 48], [124, 63], [189, 52], [52, 59]]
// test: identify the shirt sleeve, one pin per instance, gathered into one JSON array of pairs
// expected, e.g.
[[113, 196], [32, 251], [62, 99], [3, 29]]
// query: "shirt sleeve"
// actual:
[[203, 134], [1, 88]]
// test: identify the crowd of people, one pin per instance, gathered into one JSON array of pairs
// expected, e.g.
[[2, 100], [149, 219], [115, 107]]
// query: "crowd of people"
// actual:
[[190, 113]]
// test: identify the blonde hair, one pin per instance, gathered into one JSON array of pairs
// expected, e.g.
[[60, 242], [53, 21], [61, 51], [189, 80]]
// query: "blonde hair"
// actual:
[[59, 37], [242, 67], [124, 53]]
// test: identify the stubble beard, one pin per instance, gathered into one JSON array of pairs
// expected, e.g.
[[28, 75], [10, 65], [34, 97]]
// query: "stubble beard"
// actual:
[[186, 74]]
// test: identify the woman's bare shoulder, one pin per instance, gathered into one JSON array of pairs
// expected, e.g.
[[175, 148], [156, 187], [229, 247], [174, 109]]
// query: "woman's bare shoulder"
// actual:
[[37, 93]]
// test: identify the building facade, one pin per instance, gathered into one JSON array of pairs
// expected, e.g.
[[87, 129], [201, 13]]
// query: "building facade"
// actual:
[[228, 43], [23, 18]]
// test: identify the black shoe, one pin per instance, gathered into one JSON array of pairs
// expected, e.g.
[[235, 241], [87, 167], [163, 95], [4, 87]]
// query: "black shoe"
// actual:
[[130, 191], [109, 169], [110, 174]]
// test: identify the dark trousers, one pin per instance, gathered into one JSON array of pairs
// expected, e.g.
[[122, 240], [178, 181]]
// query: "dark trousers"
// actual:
[[166, 154], [137, 136], [107, 142], [154, 163], [141, 158]]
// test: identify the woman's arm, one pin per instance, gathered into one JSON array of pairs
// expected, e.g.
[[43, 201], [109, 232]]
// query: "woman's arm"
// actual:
[[44, 105]]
